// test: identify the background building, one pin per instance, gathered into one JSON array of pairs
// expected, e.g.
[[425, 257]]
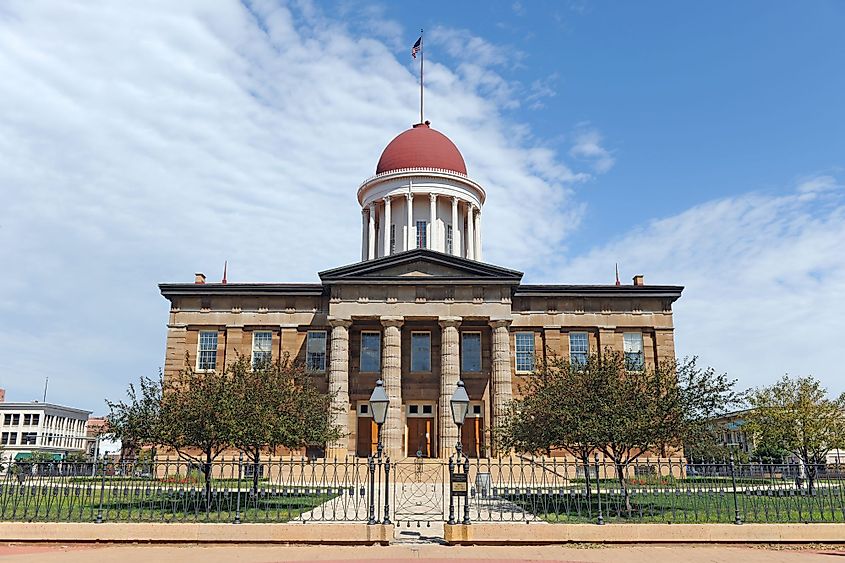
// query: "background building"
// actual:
[[41, 427], [420, 311]]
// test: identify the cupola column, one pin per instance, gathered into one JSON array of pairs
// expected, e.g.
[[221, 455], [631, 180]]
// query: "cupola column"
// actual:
[[470, 242], [386, 227], [409, 203], [478, 235], [364, 244], [432, 223], [372, 232], [456, 233]]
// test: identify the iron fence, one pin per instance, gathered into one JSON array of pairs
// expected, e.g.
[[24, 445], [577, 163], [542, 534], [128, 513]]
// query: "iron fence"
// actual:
[[508, 489]]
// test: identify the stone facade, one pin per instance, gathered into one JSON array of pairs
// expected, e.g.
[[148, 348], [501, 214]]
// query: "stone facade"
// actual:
[[454, 304]]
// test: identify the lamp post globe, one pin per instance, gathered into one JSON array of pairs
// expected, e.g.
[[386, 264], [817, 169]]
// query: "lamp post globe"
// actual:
[[459, 403], [379, 402]]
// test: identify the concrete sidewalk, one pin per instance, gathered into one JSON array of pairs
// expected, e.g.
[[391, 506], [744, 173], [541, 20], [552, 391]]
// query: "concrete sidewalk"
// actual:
[[394, 553]]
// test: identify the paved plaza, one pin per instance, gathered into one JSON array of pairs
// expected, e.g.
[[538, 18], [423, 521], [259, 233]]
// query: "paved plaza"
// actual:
[[397, 553]]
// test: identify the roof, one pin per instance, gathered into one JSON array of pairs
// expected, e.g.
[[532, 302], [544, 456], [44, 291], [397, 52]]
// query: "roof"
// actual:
[[37, 405], [421, 147], [664, 291], [169, 290]]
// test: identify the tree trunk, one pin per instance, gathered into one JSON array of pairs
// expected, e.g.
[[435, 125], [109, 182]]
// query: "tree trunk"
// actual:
[[620, 474], [207, 474], [255, 468], [585, 458]]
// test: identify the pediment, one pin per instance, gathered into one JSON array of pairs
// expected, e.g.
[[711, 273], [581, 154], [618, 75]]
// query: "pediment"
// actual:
[[420, 264]]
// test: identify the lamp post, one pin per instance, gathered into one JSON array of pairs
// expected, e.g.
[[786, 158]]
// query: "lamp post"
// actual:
[[379, 402], [460, 406]]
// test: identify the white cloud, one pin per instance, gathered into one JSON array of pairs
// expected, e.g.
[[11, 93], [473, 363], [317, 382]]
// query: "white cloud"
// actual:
[[764, 277], [148, 142], [587, 146]]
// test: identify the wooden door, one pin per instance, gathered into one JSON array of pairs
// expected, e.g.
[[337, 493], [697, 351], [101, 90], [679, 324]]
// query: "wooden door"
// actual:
[[419, 436], [472, 437], [366, 437]]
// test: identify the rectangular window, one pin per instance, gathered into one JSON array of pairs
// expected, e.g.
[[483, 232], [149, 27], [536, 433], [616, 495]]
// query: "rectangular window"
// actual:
[[11, 419], [8, 438], [35, 419], [370, 352], [579, 348], [449, 239], [315, 350], [28, 438], [207, 355], [262, 346], [421, 232], [633, 344], [525, 351], [27, 419], [7, 419], [420, 351], [470, 351], [393, 239]]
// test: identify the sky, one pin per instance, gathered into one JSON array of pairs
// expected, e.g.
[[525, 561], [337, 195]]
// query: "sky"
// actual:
[[701, 145]]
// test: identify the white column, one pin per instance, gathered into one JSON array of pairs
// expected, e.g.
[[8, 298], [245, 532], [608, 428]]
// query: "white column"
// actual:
[[372, 236], [456, 247], [386, 222], [431, 239], [478, 235], [409, 243], [364, 244], [470, 232], [339, 385], [391, 373]]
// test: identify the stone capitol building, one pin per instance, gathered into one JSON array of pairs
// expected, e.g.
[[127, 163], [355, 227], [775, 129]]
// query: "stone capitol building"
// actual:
[[420, 310]]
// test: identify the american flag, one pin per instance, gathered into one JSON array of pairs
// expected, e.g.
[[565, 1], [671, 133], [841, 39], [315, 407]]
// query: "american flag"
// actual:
[[416, 48]]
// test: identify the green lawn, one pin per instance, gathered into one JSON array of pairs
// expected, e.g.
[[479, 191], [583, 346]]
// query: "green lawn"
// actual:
[[693, 507], [154, 502]]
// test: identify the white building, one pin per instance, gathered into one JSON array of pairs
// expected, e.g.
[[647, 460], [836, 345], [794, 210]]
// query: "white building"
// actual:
[[41, 427]]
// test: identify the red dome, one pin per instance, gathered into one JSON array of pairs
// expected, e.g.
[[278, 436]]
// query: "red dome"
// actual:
[[421, 147]]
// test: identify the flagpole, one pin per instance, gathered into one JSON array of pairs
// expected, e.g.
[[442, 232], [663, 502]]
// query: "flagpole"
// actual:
[[422, 58]]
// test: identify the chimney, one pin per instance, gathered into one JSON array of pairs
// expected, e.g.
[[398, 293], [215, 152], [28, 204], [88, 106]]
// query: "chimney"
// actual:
[[200, 277], [639, 279], [2, 395]]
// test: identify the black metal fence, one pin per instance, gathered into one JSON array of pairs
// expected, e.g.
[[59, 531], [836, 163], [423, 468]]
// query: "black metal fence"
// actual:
[[499, 490]]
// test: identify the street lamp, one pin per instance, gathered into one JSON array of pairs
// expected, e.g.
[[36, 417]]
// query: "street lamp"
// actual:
[[460, 406], [379, 401]]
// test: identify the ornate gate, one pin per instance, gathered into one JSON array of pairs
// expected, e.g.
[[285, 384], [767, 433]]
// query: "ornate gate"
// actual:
[[420, 491]]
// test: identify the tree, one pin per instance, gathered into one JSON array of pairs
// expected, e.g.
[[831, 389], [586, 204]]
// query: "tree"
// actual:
[[555, 412], [136, 422], [796, 415], [278, 405], [197, 417], [601, 405]]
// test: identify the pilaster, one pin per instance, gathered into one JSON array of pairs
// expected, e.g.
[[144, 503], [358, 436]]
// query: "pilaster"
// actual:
[[391, 373], [447, 435], [502, 380], [339, 385]]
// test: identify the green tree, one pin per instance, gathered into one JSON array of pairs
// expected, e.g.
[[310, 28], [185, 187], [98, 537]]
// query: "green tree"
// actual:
[[136, 421], [796, 415], [278, 405], [601, 405], [555, 411]]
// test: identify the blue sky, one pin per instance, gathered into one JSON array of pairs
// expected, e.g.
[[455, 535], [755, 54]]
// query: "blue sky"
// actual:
[[699, 145]]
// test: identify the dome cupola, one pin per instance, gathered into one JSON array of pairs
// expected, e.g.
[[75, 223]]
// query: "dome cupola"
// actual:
[[421, 197], [421, 147]]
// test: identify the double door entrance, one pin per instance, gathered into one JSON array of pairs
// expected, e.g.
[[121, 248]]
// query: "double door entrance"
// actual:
[[421, 432]]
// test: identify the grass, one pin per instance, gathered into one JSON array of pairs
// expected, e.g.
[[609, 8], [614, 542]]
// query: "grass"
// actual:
[[692, 507], [149, 502]]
